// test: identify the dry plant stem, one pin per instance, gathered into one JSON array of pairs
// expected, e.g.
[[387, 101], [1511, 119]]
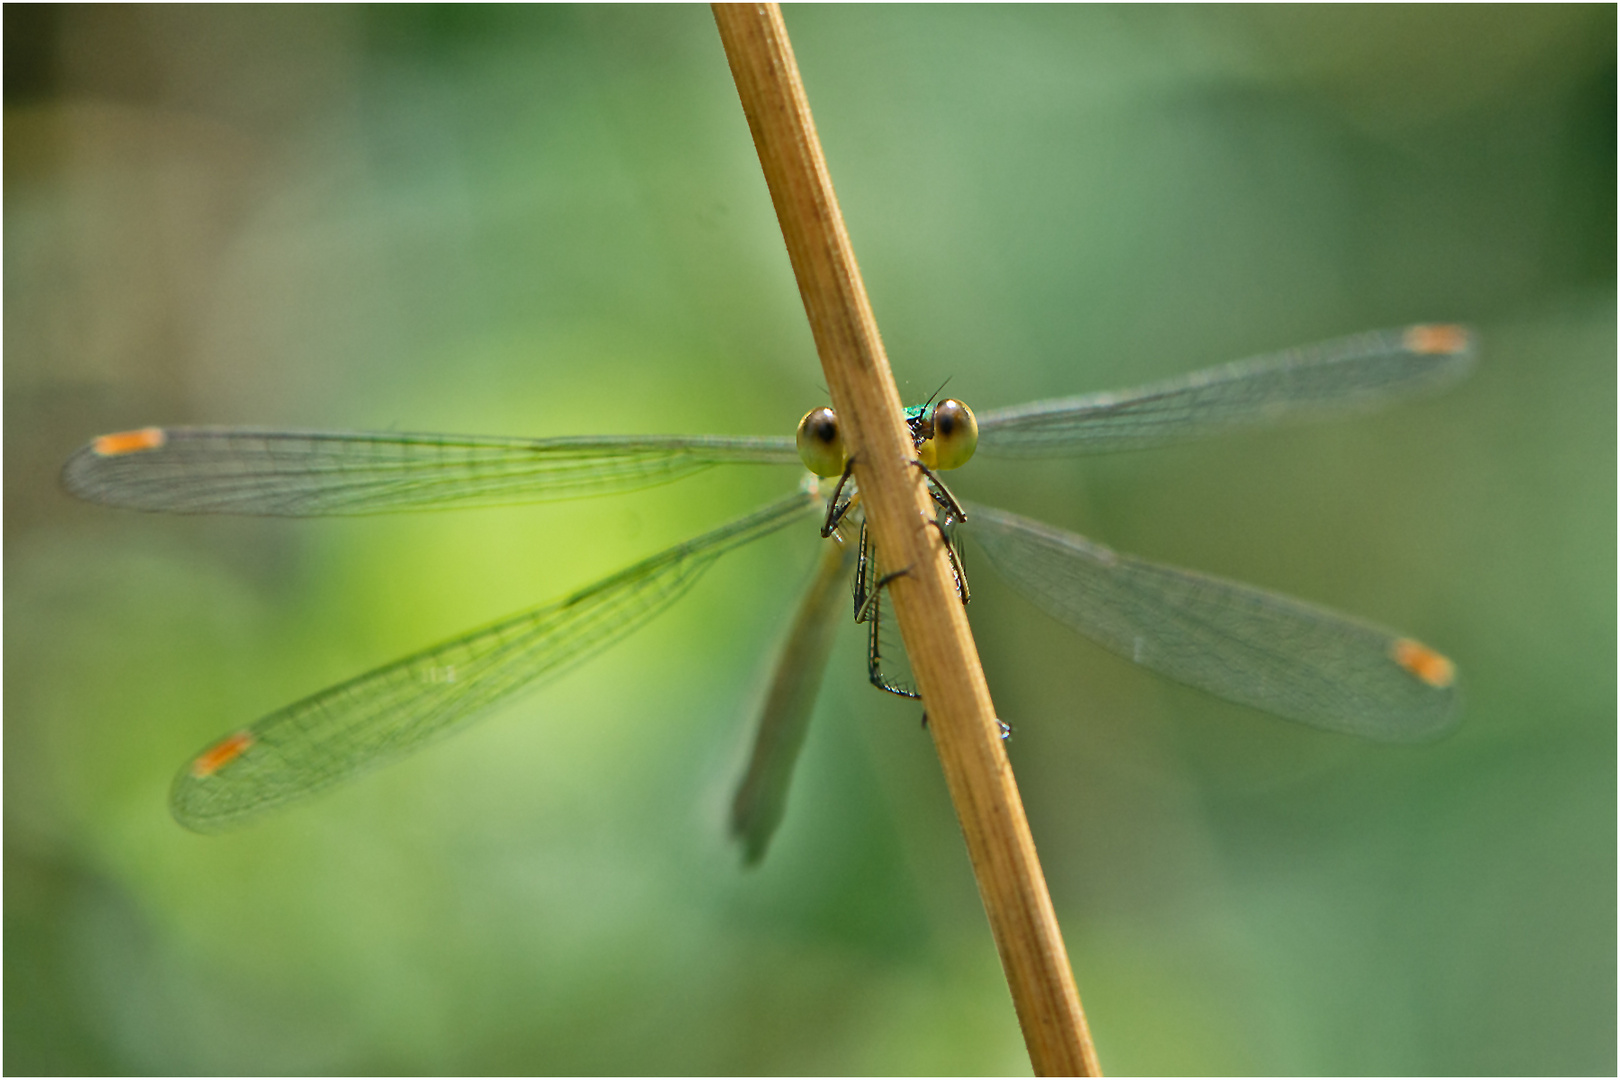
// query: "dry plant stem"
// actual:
[[932, 622]]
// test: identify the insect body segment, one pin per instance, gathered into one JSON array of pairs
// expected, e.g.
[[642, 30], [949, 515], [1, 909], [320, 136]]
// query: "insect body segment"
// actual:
[[871, 581]]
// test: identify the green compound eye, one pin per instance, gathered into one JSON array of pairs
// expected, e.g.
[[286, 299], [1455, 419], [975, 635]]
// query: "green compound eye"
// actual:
[[956, 436], [821, 447]]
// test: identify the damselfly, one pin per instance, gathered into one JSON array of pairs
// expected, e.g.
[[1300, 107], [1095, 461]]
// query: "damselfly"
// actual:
[[1239, 642]]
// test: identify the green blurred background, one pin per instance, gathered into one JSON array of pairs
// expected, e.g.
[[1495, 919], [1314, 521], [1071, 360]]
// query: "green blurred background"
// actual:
[[551, 221]]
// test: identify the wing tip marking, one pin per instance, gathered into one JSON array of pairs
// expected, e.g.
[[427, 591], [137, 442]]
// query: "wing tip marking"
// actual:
[[1423, 663], [1436, 339], [221, 754], [129, 442]]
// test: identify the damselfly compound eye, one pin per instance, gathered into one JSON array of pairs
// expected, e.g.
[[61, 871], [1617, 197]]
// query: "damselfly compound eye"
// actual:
[[956, 436], [821, 447]]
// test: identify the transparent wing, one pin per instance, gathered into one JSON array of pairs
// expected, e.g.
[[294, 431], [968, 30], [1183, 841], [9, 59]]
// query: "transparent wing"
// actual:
[[761, 796], [1347, 375], [246, 471], [389, 712], [1238, 642]]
